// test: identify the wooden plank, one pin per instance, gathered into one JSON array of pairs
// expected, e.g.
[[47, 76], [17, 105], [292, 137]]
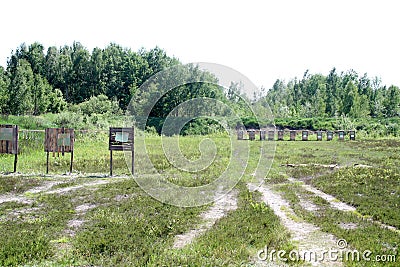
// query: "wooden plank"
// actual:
[[59, 140]]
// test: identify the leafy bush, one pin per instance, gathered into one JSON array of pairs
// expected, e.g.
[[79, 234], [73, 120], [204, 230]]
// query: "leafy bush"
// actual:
[[99, 105], [27, 121]]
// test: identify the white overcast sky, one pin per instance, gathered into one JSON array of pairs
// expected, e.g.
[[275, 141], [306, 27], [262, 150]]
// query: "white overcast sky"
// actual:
[[264, 40]]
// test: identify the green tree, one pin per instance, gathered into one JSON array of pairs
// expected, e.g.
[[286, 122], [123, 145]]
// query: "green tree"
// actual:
[[65, 74], [40, 94], [332, 93], [21, 87], [80, 75], [392, 102], [36, 58], [56, 102], [4, 94]]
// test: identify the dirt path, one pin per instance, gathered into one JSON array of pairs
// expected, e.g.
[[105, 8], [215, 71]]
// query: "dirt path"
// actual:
[[308, 236], [21, 198], [79, 186], [219, 209], [46, 188]]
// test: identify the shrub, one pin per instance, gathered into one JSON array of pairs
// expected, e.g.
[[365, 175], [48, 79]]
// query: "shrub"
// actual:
[[99, 105]]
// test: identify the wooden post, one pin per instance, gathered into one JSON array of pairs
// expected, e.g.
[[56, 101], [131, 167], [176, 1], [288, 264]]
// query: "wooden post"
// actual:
[[292, 135], [271, 135], [319, 136], [280, 135], [15, 162], [62, 148], [72, 160], [353, 135], [252, 134], [111, 163], [133, 151], [341, 135], [47, 163], [15, 148], [262, 135], [304, 135], [240, 134], [329, 136]]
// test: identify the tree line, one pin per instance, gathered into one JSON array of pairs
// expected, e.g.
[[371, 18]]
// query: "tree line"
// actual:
[[36, 81], [336, 94]]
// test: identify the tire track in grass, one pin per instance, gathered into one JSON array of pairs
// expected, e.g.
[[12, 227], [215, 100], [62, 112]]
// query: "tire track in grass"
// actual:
[[46, 189], [334, 202], [218, 210], [21, 198], [337, 204], [79, 186], [310, 238]]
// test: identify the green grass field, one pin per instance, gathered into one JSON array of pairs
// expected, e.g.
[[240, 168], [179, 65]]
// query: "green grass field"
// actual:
[[89, 219]]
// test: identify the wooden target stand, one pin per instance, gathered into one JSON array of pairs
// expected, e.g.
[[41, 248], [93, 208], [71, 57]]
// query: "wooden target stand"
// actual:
[[304, 134], [59, 140], [9, 141], [121, 139]]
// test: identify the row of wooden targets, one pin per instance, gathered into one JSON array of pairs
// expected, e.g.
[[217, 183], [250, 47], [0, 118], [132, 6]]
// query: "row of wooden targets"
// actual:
[[272, 135], [61, 140]]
